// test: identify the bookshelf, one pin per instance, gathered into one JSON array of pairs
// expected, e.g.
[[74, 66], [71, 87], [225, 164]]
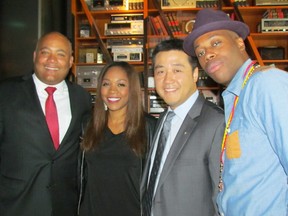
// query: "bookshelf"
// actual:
[[91, 16]]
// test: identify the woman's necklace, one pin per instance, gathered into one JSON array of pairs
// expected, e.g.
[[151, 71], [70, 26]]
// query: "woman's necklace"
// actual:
[[248, 72]]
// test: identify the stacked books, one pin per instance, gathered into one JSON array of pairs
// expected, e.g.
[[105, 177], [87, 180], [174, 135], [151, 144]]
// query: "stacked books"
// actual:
[[158, 27]]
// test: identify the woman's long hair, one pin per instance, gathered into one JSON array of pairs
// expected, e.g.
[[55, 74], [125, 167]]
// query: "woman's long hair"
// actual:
[[134, 122]]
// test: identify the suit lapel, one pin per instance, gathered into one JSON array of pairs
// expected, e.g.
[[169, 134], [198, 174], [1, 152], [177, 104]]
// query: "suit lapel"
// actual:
[[185, 131], [76, 119], [73, 107], [29, 89], [33, 104]]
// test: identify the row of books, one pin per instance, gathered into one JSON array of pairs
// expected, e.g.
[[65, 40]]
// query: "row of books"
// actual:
[[158, 27], [275, 13], [173, 23]]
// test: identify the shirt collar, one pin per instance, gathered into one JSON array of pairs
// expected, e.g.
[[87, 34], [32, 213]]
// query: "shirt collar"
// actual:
[[235, 85], [182, 110], [41, 85]]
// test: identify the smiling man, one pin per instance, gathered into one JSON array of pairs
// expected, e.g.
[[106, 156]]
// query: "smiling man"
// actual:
[[52, 58], [39, 134], [255, 145], [186, 180]]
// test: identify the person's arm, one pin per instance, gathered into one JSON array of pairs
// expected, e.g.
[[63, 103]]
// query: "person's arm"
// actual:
[[274, 112], [214, 160]]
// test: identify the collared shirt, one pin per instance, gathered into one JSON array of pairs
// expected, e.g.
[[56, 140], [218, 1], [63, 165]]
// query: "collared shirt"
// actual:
[[180, 114], [256, 155], [62, 100]]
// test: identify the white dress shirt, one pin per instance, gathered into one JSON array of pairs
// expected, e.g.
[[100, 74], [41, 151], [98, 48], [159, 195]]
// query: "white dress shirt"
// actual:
[[62, 100]]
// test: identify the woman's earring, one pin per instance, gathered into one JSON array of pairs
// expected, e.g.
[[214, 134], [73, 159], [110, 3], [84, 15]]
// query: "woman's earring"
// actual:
[[105, 107]]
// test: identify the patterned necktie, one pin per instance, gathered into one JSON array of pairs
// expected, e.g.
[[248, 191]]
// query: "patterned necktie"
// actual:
[[52, 117], [148, 196]]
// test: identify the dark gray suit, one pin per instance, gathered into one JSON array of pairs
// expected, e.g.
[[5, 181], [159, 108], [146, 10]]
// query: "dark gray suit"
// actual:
[[188, 184], [35, 179]]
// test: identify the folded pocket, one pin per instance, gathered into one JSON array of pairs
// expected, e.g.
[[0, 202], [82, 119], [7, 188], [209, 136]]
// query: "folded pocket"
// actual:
[[233, 148]]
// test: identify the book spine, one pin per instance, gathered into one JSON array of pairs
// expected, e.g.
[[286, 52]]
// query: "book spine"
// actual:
[[152, 25], [176, 24], [164, 31], [170, 23]]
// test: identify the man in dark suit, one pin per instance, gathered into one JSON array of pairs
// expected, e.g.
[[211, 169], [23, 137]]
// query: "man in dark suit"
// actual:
[[38, 168], [187, 180]]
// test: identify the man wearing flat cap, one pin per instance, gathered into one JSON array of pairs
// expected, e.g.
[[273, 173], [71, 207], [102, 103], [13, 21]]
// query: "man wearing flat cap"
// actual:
[[254, 155]]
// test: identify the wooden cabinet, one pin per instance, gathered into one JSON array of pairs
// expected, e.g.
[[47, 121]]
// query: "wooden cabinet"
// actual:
[[90, 37]]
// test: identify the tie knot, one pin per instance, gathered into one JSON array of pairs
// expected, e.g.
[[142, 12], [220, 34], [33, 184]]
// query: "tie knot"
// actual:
[[50, 90], [170, 116]]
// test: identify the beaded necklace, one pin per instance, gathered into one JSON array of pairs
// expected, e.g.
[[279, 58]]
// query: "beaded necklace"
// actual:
[[248, 72]]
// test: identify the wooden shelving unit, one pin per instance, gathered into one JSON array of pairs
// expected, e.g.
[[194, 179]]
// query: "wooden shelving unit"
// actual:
[[96, 19]]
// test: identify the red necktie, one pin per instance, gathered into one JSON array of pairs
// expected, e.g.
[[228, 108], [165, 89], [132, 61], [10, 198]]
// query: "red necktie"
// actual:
[[52, 117]]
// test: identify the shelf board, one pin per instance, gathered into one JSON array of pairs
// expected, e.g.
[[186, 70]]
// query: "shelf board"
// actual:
[[88, 64], [121, 36], [86, 38], [263, 8], [280, 61], [92, 64], [150, 89], [270, 35], [91, 39], [153, 10], [96, 12]]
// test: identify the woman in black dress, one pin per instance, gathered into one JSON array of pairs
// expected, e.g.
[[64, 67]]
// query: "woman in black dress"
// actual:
[[115, 144]]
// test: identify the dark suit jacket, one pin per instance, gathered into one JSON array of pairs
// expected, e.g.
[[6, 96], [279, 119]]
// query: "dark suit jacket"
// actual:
[[188, 184], [35, 179]]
